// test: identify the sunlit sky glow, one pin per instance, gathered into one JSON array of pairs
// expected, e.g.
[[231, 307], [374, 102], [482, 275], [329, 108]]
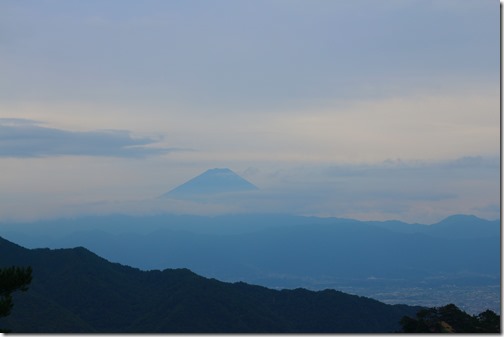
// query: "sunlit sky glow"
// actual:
[[365, 109]]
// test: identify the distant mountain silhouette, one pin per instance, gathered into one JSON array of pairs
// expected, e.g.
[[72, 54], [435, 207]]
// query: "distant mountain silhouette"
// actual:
[[458, 226], [335, 252], [465, 226], [211, 182], [74, 290]]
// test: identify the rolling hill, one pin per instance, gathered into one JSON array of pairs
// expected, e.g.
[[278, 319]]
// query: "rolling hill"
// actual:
[[278, 250], [457, 259], [74, 290]]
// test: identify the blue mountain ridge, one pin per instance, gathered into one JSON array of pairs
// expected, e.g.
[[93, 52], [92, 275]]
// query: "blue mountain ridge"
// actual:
[[74, 291], [285, 251]]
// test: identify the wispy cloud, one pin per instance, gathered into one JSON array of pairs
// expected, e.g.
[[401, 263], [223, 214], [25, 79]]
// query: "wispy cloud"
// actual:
[[29, 138], [394, 166]]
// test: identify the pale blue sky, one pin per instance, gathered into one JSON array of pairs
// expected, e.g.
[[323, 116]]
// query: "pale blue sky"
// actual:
[[298, 96]]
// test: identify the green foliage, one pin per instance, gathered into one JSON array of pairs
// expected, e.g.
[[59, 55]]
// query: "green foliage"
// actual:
[[450, 318], [12, 279]]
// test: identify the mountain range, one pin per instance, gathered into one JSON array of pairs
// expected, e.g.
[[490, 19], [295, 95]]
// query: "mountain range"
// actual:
[[454, 261], [74, 290]]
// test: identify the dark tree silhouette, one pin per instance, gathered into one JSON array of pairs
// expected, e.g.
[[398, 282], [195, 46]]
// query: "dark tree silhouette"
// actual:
[[11, 280], [489, 321], [451, 319]]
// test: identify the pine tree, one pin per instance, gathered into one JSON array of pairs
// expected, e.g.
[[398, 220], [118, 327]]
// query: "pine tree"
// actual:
[[12, 279]]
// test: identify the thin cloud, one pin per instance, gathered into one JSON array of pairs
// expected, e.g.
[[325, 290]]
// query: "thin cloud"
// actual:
[[396, 165], [24, 138]]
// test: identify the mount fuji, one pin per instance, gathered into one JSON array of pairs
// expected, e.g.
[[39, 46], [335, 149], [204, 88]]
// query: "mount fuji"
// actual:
[[211, 182]]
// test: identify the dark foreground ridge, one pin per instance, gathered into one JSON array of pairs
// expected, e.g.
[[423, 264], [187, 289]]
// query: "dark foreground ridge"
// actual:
[[74, 290]]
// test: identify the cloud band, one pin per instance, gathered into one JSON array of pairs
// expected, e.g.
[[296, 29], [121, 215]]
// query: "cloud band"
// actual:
[[26, 138]]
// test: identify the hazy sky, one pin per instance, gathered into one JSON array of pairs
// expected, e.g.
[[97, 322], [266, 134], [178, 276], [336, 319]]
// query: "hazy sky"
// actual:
[[363, 109]]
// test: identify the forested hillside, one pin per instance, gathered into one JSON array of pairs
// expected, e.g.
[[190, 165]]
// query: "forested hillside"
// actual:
[[74, 290]]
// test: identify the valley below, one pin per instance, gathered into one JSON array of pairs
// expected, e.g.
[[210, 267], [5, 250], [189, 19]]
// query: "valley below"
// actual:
[[471, 299]]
